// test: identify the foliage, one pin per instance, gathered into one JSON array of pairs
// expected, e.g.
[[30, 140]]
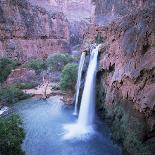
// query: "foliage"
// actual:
[[6, 65], [58, 61], [127, 128], [69, 77], [11, 135], [37, 64], [11, 94]]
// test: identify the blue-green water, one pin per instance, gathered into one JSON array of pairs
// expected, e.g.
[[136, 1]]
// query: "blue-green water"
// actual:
[[44, 121]]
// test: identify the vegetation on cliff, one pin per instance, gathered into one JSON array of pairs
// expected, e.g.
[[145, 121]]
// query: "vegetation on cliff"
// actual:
[[6, 65]]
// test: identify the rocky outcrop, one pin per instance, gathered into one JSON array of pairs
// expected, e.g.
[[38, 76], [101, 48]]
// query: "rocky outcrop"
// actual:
[[28, 31], [126, 77], [21, 75]]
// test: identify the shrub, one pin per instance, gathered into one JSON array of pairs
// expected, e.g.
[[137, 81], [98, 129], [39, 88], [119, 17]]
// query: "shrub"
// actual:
[[128, 127], [69, 77], [6, 65], [11, 94], [36, 64], [58, 61], [11, 135]]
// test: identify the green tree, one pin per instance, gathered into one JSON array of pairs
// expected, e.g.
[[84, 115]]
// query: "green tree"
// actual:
[[37, 64], [11, 135], [6, 65], [11, 94], [69, 77], [58, 61]]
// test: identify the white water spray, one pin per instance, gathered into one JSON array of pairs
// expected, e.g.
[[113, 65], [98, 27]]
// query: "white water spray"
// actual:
[[87, 109], [82, 59], [84, 125]]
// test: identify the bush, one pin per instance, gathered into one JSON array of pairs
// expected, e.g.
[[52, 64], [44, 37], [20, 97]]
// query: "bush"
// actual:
[[128, 128], [58, 61], [12, 94], [69, 77], [6, 65], [36, 64], [11, 136]]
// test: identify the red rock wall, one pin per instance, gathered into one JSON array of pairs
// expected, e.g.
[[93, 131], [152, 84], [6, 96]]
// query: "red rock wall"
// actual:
[[28, 31], [127, 59]]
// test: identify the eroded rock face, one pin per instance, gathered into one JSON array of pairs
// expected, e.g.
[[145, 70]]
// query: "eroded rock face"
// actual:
[[128, 55], [21, 75], [106, 10], [77, 12], [126, 76], [73, 9], [28, 31]]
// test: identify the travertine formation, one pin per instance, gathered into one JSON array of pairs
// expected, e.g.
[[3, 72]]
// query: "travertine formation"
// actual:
[[28, 31]]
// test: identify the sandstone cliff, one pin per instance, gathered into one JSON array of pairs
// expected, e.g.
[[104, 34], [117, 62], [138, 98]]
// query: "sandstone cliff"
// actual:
[[28, 31], [126, 76], [77, 12]]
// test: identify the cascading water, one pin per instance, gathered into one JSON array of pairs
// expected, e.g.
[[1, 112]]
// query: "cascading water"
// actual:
[[82, 59], [87, 109], [84, 125]]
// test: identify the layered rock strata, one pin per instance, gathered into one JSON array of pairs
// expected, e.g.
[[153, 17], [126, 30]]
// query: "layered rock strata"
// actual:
[[28, 31]]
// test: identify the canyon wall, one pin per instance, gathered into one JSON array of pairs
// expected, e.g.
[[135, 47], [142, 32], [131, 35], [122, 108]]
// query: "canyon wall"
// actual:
[[78, 13], [73, 9], [106, 10], [126, 75], [28, 31]]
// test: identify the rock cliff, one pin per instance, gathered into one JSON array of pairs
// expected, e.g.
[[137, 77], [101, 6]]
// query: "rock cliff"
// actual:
[[126, 76], [28, 31], [78, 13]]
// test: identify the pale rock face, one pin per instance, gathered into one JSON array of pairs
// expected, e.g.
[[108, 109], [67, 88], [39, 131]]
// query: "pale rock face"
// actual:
[[74, 10]]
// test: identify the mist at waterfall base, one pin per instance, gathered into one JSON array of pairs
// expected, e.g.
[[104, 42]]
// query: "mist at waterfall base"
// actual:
[[42, 121], [82, 59], [84, 127]]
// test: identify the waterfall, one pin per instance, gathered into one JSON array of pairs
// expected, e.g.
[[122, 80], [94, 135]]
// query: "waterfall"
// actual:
[[82, 59], [87, 109], [84, 125]]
